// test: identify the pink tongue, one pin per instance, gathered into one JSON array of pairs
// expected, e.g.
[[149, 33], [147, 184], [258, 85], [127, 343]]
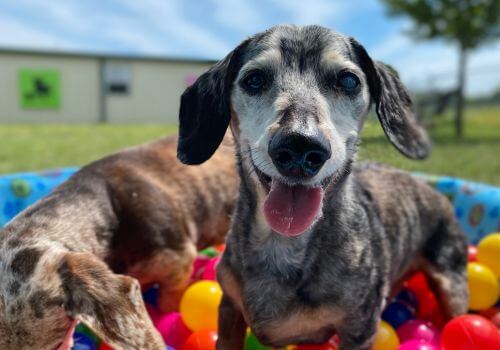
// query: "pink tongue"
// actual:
[[291, 210]]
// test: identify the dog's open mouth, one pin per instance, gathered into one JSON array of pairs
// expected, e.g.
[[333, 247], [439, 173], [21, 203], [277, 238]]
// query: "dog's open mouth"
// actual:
[[290, 209]]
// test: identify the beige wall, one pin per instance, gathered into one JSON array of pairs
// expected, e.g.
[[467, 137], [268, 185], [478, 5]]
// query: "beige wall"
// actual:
[[79, 89], [155, 90]]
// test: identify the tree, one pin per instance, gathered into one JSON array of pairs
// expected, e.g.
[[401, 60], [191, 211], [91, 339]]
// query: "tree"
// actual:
[[467, 23]]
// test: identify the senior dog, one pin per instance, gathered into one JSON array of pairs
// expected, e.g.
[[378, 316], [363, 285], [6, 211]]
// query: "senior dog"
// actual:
[[317, 242], [139, 212]]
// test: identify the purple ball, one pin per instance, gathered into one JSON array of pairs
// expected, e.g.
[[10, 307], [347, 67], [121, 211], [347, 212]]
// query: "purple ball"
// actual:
[[418, 345], [419, 330]]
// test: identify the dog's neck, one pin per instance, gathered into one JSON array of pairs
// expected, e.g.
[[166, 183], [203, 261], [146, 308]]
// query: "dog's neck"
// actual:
[[277, 253]]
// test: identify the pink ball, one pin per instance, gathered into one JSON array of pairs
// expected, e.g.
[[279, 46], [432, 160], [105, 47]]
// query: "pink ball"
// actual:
[[199, 266], [172, 329], [418, 345], [418, 330], [209, 273]]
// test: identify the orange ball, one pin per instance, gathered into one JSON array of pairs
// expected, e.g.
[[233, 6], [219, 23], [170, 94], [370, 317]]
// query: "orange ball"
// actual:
[[203, 339], [199, 305]]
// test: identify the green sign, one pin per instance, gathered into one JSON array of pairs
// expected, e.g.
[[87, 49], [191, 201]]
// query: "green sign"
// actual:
[[39, 88]]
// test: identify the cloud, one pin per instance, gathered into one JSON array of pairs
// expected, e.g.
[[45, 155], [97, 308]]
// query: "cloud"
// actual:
[[16, 33], [429, 65]]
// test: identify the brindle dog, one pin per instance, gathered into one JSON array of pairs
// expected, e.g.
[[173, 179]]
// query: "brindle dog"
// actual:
[[317, 241], [138, 212]]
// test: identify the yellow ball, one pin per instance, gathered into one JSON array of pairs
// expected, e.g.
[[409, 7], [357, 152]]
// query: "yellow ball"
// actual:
[[483, 286], [386, 338], [199, 306], [488, 252]]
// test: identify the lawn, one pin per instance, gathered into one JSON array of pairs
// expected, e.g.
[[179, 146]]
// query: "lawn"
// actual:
[[37, 147]]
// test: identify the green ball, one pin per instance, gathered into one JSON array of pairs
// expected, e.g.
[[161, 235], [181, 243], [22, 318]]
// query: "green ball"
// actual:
[[81, 328], [210, 252], [252, 343], [21, 188]]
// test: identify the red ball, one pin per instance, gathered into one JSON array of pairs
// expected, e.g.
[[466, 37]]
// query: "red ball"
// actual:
[[472, 253], [104, 346], [470, 332], [331, 344], [417, 283], [203, 339]]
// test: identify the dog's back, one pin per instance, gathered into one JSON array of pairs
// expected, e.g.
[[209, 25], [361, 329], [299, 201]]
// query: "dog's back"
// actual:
[[140, 211]]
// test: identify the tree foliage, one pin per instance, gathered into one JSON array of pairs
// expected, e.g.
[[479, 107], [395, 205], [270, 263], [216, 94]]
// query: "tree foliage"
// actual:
[[470, 22]]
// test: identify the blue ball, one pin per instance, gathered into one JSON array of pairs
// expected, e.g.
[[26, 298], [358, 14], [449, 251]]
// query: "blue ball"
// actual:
[[83, 342], [407, 297], [396, 314], [150, 296]]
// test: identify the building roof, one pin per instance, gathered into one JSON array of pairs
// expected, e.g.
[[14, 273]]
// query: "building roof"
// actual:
[[98, 55]]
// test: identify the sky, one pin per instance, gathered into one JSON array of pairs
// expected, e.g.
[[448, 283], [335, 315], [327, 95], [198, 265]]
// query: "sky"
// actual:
[[209, 29]]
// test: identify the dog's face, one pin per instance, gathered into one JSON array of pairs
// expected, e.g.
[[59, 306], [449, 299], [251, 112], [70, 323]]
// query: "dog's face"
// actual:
[[296, 98], [43, 295]]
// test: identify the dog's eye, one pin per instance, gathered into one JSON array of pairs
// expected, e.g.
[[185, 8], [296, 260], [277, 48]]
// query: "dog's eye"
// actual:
[[348, 81], [254, 82]]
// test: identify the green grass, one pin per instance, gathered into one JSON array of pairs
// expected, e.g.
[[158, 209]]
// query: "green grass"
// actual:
[[37, 147], [475, 157]]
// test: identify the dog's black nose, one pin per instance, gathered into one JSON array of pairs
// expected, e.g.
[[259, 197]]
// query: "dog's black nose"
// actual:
[[298, 155]]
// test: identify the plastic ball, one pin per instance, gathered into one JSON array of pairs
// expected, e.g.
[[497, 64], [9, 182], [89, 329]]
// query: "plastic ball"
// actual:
[[83, 342], [150, 296], [211, 252], [430, 310], [203, 339], [470, 332], [417, 283], [418, 345], [172, 329], [104, 346], [199, 305], [331, 344], [220, 248], [83, 329], [471, 253], [153, 312], [408, 298], [483, 287], [488, 253], [396, 314], [492, 314], [252, 343], [418, 330], [199, 265], [209, 271], [386, 338]]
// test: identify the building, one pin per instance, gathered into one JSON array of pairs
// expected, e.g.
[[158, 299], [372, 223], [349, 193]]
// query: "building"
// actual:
[[61, 87]]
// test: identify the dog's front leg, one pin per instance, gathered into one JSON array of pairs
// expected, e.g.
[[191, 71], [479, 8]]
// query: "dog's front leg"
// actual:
[[232, 326]]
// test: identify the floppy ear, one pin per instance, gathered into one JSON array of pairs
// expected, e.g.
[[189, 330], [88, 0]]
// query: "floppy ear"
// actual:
[[205, 109], [394, 107], [109, 304]]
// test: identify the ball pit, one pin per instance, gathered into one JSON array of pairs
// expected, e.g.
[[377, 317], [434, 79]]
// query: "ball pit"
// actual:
[[413, 320]]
